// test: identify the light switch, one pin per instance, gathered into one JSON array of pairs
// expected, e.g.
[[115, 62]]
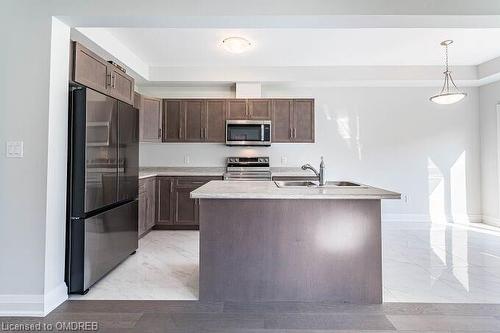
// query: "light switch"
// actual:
[[14, 149]]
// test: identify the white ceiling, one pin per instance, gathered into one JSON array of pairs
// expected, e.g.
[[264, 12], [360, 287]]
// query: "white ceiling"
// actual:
[[309, 47]]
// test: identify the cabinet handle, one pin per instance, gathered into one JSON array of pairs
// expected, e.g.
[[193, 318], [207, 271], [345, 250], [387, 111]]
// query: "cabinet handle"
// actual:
[[201, 133], [108, 80], [205, 133], [295, 133], [159, 133], [291, 133], [113, 80], [171, 187], [180, 132]]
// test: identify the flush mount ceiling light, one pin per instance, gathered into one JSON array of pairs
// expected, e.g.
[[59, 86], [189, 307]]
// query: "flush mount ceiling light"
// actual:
[[449, 93], [236, 44]]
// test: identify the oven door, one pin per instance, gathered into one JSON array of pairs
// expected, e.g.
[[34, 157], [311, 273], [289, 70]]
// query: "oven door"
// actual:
[[248, 133]]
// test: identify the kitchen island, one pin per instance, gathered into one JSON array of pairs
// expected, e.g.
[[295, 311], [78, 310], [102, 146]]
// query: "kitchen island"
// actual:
[[260, 242]]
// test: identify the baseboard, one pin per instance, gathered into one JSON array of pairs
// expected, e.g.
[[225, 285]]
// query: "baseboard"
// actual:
[[176, 227], [32, 305], [21, 305], [494, 221], [425, 218], [54, 298]]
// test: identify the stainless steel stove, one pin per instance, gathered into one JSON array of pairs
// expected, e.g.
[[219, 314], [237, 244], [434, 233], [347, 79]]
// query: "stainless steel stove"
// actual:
[[247, 168]]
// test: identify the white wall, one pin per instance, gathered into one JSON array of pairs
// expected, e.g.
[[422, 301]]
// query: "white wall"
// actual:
[[489, 97], [24, 112], [55, 290], [388, 137]]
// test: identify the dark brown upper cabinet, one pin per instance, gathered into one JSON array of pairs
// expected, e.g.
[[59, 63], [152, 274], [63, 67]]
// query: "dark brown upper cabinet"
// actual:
[[172, 120], [259, 109], [121, 86], [204, 120], [92, 71], [150, 120], [215, 130], [243, 109], [194, 121], [237, 109], [303, 120], [282, 120], [89, 69], [293, 120]]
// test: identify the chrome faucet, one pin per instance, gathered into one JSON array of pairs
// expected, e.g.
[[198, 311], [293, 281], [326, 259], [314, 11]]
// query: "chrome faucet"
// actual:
[[320, 174]]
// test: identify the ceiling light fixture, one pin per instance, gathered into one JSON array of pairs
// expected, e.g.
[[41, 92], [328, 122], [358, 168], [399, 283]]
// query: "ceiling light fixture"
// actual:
[[449, 93], [236, 44]]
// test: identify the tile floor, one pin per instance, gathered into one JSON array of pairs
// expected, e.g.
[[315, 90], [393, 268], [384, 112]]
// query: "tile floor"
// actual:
[[432, 263]]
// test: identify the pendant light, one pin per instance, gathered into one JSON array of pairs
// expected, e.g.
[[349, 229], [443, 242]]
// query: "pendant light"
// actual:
[[449, 93]]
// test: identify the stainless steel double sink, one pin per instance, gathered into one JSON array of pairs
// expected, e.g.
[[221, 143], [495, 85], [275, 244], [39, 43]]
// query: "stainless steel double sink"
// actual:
[[314, 184]]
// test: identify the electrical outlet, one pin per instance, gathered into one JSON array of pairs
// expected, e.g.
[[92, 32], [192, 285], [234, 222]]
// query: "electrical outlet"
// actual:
[[14, 149], [284, 160], [186, 159]]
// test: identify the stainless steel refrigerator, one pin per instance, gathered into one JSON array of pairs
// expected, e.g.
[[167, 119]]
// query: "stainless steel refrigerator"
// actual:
[[103, 164]]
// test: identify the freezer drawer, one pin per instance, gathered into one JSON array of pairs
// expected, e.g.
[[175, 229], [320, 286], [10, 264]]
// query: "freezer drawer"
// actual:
[[109, 239], [100, 243]]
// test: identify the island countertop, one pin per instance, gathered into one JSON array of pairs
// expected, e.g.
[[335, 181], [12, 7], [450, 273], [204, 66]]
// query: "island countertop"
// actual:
[[268, 190]]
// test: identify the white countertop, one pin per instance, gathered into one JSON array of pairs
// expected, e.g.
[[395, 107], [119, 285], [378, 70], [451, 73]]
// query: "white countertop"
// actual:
[[146, 172], [268, 190], [181, 171]]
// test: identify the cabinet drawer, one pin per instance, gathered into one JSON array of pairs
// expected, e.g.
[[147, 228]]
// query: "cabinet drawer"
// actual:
[[194, 181]]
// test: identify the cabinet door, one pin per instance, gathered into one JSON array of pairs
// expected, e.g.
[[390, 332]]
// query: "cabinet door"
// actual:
[[194, 124], [150, 120], [164, 190], [237, 109], [185, 208], [172, 114], [282, 120], [303, 114], [138, 101], [215, 130], [150, 203], [142, 213], [122, 85], [89, 69], [259, 109]]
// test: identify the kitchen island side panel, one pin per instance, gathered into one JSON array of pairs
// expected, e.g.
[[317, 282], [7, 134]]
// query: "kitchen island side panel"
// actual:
[[290, 250]]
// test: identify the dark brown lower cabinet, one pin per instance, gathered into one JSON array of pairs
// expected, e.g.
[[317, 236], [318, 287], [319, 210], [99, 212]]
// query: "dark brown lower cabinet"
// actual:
[[175, 208], [147, 206], [165, 187]]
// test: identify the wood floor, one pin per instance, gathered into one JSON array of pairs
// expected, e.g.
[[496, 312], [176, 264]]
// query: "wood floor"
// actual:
[[282, 317]]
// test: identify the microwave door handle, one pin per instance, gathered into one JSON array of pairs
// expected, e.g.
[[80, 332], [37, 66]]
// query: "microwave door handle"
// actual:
[[262, 132]]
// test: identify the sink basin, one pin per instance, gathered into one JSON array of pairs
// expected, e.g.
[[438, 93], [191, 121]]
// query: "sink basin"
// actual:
[[306, 183], [296, 183], [342, 183]]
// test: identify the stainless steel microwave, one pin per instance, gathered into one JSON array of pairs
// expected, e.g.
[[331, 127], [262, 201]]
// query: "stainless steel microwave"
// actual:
[[248, 132]]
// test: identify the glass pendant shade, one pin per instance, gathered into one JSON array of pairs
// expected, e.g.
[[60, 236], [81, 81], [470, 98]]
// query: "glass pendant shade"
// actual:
[[449, 94]]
